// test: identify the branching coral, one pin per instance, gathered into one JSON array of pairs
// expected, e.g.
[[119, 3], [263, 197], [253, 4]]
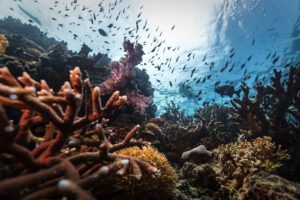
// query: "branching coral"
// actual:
[[210, 126], [74, 144], [237, 161], [275, 110], [3, 43]]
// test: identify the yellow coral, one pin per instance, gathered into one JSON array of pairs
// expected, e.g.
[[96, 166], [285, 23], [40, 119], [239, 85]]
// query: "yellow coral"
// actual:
[[149, 185], [242, 159], [3, 44]]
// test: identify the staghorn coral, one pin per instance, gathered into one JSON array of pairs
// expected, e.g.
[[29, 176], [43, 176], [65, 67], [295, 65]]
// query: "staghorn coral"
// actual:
[[61, 136], [147, 186], [3, 44], [237, 161]]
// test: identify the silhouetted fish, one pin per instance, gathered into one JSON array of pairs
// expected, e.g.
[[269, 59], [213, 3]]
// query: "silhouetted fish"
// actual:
[[102, 32], [226, 90]]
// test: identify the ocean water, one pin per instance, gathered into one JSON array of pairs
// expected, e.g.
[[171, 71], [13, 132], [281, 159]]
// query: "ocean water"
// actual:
[[189, 45]]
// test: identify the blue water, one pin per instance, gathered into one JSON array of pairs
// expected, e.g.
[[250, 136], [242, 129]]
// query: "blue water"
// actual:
[[249, 29]]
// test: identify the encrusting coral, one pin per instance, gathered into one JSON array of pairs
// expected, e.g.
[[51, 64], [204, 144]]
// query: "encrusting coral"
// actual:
[[3, 43], [60, 144]]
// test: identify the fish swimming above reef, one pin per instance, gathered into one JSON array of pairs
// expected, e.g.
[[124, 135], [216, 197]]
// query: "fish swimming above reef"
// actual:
[[186, 91], [227, 90], [33, 18]]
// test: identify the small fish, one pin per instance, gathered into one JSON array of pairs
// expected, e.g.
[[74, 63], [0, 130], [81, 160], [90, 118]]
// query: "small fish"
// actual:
[[217, 83], [249, 58], [170, 83], [158, 67], [173, 27], [102, 32], [223, 68], [193, 71], [153, 49], [204, 58], [275, 60], [139, 14], [243, 65], [268, 56]]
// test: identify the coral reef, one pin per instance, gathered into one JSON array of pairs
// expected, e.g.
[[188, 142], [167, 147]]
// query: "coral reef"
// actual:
[[230, 171], [275, 109], [60, 146], [122, 72], [266, 186], [147, 186], [237, 161], [32, 51], [211, 126], [275, 112], [12, 26], [3, 43], [197, 155]]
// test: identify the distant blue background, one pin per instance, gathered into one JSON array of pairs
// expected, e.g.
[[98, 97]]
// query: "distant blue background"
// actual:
[[211, 27]]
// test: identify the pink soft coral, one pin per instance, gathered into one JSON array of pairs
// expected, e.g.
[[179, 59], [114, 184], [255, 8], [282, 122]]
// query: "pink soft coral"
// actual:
[[124, 69], [138, 101]]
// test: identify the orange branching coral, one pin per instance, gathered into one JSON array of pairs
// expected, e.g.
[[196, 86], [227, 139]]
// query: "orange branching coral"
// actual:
[[3, 43], [72, 142]]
